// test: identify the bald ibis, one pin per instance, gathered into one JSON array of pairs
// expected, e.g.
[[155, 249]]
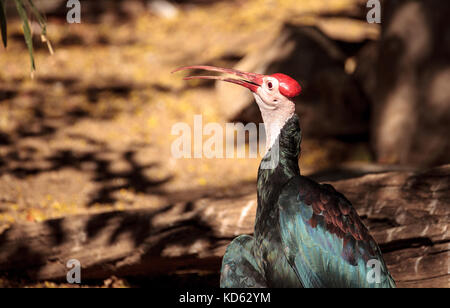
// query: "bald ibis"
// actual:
[[306, 234]]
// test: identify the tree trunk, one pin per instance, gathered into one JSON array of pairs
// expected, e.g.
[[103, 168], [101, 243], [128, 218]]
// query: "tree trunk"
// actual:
[[411, 100]]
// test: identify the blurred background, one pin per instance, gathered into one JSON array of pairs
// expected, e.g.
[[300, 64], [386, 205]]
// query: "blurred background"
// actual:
[[90, 134]]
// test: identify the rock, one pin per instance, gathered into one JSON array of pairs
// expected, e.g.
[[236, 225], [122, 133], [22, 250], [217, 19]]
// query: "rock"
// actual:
[[331, 103], [407, 212], [411, 110]]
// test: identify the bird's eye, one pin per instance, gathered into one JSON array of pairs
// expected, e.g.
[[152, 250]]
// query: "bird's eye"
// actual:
[[269, 85]]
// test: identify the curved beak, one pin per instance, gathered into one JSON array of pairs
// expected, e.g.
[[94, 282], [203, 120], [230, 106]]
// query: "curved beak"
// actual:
[[251, 81]]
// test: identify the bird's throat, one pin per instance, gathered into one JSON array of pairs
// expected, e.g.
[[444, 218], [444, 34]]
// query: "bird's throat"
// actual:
[[275, 172], [284, 144], [283, 137], [274, 117]]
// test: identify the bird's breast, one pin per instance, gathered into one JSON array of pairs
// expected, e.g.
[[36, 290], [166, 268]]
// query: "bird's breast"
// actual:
[[269, 249]]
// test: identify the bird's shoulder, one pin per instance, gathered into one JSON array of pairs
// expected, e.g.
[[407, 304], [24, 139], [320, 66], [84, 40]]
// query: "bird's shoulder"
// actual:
[[325, 211]]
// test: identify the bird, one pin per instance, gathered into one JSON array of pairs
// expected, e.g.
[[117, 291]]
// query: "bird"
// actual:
[[306, 234]]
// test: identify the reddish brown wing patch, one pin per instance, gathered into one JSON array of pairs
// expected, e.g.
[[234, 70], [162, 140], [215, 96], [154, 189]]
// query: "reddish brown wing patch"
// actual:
[[344, 207], [317, 208], [335, 213], [313, 221], [335, 210]]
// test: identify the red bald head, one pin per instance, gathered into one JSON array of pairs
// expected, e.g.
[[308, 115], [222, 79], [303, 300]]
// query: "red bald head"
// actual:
[[272, 93], [288, 86]]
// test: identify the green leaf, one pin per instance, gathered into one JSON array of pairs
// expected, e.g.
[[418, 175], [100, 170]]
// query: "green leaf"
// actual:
[[42, 21], [3, 27], [26, 31], [43, 24]]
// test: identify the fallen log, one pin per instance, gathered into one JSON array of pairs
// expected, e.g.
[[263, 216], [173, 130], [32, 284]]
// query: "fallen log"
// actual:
[[408, 213]]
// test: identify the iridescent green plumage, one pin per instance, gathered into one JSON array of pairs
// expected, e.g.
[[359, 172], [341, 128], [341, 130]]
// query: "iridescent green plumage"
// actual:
[[306, 234]]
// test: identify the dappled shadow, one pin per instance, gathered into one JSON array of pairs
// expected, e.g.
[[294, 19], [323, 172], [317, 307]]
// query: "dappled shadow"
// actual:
[[337, 174], [119, 90], [26, 258], [5, 139], [137, 224], [41, 122], [151, 241], [344, 173], [58, 235], [408, 243], [133, 178], [46, 120], [13, 258], [7, 94]]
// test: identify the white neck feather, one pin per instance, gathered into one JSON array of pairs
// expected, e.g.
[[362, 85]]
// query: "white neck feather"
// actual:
[[274, 118]]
